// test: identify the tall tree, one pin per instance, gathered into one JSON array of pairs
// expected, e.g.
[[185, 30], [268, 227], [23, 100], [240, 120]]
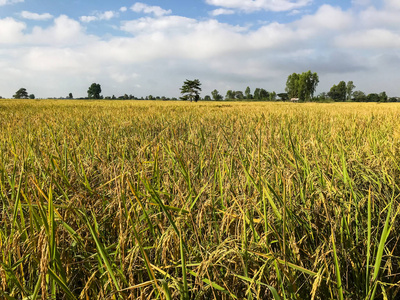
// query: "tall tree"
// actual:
[[247, 93], [216, 95], [264, 95], [383, 97], [338, 92], [191, 90], [302, 85], [283, 96], [272, 96], [94, 91], [239, 95], [349, 89], [230, 95], [359, 96], [21, 94], [292, 84], [373, 97], [257, 94], [312, 81]]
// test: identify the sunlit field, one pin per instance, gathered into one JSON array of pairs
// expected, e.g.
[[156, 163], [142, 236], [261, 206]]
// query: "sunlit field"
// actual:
[[207, 200]]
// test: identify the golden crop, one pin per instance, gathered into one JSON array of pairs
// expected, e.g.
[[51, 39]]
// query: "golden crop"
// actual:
[[214, 200]]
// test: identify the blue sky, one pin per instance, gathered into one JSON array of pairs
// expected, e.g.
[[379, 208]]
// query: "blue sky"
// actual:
[[54, 47]]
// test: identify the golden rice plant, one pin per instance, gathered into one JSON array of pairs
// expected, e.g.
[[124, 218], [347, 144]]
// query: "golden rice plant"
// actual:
[[176, 200]]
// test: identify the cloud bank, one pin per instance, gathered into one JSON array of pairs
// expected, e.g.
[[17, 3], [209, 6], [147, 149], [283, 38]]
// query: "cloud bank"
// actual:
[[34, 16], [157, 11], [156, 51], [5, 2], [99, 16], [256, 5]]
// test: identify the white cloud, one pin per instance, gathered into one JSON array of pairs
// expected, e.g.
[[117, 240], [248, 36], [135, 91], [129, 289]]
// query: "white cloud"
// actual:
[[99, 16], [276, 35], [64, 31], [393, 3], [221, 11], [370, 39], [34, 16], [255, 5], [327, 17], [373, 18], [167, 24], [139, 7], [294, 12], [107, 15], [49, 59], [87, 19], [122, 76], [11, 31], [123, 9], [5, 2]]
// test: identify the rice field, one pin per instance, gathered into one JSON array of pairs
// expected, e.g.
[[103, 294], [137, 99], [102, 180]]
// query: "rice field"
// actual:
[[215, 200]]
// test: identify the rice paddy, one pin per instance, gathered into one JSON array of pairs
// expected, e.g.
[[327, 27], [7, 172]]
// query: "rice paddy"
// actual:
[[214, 200]]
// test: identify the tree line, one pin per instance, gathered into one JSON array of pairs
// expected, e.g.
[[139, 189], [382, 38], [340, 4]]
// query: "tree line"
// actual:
[[300, 87]]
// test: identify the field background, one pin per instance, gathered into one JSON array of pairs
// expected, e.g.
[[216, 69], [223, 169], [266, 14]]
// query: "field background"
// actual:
[[177, 200]]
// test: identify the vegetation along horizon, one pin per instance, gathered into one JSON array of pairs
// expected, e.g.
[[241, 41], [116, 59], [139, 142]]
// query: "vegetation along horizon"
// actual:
[[301, 87], [213, 200]]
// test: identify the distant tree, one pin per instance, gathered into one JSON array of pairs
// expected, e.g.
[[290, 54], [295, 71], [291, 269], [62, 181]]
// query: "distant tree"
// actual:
[[261, 94], [113, 97], [312, 81], [207, 98], [230, 95], [264, 95], [70, 96], [31, 96], [383, 97], [272, 96], [94, 91], [349, 89], [373, 97], [292, 85], [191, 90], [216, 95], [239, 95], [21, 94], [283, 96], [333, 93], [322, 97], [342, 89], [150, 97], [338, 92], [247, 93], [359, 96], [302, 86]]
